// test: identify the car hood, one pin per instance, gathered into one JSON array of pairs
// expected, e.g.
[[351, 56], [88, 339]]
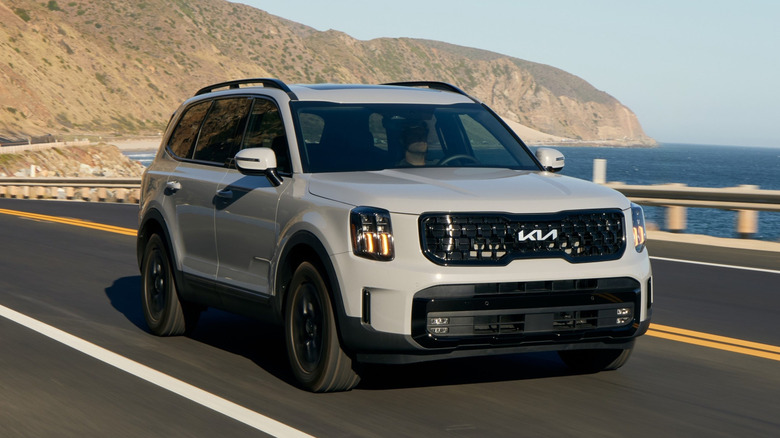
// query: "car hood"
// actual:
[[414, 191]]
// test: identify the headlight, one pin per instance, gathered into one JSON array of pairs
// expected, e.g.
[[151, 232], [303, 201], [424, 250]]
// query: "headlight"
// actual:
[[372, 235], [638, 224]]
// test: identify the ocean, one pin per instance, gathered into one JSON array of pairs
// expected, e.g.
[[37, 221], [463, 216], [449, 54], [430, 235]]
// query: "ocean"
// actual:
[[694, 165]]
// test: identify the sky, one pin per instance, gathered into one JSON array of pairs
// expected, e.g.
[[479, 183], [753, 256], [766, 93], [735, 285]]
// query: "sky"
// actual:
[[693, 71]]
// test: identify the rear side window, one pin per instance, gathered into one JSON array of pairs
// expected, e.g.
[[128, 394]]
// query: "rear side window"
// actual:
[[220, 137], [183, 138]]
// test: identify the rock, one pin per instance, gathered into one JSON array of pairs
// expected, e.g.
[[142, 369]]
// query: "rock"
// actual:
[[72, 161]]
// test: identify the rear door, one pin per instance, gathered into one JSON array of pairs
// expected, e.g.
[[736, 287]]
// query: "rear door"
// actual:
[[193, 185]]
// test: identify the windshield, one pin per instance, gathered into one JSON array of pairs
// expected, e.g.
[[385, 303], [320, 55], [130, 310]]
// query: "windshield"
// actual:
[[337, 137]]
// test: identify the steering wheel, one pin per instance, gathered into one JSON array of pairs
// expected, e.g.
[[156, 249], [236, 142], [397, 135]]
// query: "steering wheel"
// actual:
[[446, 160]]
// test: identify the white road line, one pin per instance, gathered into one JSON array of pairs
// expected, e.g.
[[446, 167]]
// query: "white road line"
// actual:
[[204, 398], [717, 265]]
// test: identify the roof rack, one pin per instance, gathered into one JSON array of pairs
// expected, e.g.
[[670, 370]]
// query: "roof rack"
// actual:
[[434, 85], [266, 82]]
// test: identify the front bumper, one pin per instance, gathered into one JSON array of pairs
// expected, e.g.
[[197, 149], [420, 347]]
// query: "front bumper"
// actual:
[[506, 318]]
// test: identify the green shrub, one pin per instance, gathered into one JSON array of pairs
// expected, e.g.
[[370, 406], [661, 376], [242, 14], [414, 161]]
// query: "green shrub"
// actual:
[[22, 14]]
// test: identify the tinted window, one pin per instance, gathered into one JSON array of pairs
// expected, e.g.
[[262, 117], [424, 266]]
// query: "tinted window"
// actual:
[[360, 137], [222, 130], [484, 145], [183, 138], [265, 129]]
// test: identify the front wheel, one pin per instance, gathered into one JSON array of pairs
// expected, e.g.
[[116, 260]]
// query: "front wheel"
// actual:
[[316, 358], [164, 313], [592, 361]]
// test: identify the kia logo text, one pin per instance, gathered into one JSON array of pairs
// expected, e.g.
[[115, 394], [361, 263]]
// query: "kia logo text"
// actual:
[[536, 235]]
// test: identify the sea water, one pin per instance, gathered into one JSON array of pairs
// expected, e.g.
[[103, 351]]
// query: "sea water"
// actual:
[[694, 165]]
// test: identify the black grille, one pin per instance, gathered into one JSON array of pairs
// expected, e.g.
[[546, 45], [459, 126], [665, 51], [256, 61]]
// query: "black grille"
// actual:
[[498, 238]]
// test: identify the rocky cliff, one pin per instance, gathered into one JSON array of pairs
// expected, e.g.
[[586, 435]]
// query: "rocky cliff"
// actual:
[[71, 161], [123, 66]]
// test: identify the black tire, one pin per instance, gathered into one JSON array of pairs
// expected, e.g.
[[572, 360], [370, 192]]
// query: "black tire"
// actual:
[[317, 361], [164, 313], [593, 361]]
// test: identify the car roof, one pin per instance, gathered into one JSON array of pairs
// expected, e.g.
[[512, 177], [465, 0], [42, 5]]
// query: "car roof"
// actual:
[[356, 93], [428, 92]]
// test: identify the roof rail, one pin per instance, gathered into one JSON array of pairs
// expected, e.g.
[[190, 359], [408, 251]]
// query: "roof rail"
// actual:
[[434, 85], [266, 82]]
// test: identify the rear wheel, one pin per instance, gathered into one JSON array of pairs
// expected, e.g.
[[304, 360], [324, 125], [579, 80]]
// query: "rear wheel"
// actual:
[[591, 361], [164, 313], [316, 358]]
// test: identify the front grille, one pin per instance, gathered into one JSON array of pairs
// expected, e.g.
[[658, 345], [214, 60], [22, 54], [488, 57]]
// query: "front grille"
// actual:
[[499, 238]]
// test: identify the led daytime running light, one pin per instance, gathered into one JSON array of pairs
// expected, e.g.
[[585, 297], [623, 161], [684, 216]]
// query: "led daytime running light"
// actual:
[[372, 235], [638, 225]]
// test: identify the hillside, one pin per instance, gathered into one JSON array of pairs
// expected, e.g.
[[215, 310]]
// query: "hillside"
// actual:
[[81, 66]]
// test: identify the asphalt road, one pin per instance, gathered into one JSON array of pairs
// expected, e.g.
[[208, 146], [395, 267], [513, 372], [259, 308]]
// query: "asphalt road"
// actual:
[[85, 283]]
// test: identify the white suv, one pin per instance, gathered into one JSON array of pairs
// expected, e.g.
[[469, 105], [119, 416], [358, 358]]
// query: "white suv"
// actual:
[[385, 223]]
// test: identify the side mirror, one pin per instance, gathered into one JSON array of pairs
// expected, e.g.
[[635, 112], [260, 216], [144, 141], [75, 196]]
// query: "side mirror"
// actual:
[[551, 159], [258, 161]]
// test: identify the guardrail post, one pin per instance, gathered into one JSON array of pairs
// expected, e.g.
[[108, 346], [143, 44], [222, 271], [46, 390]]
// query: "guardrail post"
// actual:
[[747, 223], [676, 218], [69, 192], [135, 196], [747, 220], [121, 195], [600, 171], [102, 194]]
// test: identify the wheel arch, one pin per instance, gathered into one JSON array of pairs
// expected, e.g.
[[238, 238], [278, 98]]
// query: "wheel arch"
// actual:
[[304, 246], [153, 223]]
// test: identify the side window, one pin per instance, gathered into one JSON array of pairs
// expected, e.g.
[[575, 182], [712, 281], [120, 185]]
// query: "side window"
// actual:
[[183, 138], [220, 136], [265, 130]]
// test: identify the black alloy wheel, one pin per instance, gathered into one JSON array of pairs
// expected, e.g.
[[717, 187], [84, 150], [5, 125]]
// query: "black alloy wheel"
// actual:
[[164, 313], [316, 358]]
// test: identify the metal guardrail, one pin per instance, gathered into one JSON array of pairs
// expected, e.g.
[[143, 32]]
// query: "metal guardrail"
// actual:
[[17, 148], [727, 198], [86, 189], [746, 200]]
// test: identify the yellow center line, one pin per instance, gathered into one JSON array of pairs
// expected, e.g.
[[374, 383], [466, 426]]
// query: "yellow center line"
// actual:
[[656, 330], [70, 221], [714, 341]]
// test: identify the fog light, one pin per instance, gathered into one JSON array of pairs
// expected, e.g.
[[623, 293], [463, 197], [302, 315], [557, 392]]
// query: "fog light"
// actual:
[[624, 311], [624, 320], [439, 321], [439, 330]]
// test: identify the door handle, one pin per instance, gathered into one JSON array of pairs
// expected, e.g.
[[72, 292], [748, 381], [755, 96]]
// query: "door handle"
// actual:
[[225, 194], [172, 186]]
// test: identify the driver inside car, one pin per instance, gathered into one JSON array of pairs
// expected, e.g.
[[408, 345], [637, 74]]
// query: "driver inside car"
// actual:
[[415, 140]]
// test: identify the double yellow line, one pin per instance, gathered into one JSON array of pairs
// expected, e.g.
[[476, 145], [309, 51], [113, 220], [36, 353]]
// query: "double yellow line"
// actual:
[[656, 330], [70, 221], [714, 341]]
